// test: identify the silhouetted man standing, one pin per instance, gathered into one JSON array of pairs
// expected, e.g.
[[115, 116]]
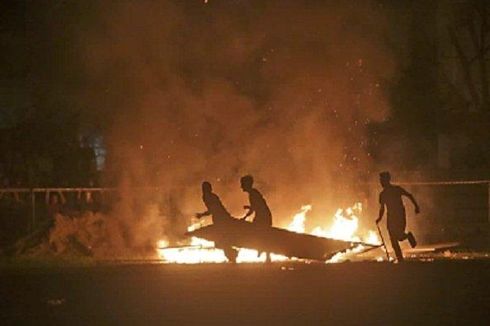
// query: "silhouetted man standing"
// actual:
[[220, 217], [258, 205], [391, 197]]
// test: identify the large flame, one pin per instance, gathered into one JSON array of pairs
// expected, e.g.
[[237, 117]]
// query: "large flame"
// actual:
[[345, 227]]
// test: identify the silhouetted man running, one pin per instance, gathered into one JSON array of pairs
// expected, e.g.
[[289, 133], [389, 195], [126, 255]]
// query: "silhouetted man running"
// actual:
[[391, 197], [219, 215], [258, 205]]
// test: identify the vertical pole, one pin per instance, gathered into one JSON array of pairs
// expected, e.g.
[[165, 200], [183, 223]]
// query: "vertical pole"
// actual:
[[383, 243], [488, 203], [33, 210]]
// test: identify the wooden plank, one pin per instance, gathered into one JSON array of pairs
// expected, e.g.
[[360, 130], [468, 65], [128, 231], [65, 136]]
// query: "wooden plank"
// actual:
[[432, 247]]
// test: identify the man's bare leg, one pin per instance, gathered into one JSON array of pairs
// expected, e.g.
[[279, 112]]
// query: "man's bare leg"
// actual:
[[411, 239], [396, 248]]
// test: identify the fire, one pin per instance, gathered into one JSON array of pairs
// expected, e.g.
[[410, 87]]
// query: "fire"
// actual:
[[344, 227], [298, 223], [199, 251]]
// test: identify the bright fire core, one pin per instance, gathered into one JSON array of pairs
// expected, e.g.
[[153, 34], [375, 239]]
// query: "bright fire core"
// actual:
[[345, 226]]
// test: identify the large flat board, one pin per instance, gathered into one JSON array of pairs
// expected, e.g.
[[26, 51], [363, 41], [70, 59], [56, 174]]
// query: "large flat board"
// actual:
[[242, 234]]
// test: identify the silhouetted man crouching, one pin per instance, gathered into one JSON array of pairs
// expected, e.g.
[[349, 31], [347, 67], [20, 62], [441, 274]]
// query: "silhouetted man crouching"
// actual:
[[219, 215]]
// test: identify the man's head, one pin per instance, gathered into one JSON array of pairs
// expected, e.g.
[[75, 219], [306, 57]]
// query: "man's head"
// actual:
[[206, 187], [246, 182], [385, 178]]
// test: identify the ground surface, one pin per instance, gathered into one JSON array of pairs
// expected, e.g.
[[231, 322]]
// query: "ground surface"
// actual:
[[444, 292]]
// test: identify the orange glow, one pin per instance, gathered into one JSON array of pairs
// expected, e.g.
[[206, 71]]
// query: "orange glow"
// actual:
[[345, 227]]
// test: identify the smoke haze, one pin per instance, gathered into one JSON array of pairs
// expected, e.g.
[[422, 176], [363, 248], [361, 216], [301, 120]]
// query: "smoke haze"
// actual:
[[189, 91]]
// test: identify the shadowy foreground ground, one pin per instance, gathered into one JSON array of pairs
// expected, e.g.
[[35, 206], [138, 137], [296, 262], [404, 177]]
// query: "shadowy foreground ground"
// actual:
[[445, 292]]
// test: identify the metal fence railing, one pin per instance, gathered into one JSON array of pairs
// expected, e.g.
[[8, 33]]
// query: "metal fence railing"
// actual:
[[21, 195], [470, 195], [456, 193]]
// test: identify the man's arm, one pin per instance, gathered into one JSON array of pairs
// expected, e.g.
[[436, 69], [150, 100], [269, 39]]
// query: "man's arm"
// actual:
[[412, 199], [206, 213], [250, 212]]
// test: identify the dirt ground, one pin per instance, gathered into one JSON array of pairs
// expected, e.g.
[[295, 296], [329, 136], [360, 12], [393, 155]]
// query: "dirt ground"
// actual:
[[366, 293]]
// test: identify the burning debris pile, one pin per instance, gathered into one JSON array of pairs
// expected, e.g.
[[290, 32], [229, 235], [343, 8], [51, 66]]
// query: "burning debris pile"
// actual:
[[345, 227], [125, 236], [97, 235]]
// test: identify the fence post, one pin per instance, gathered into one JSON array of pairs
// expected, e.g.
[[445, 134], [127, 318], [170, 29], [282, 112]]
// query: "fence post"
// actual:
[[33, 210]]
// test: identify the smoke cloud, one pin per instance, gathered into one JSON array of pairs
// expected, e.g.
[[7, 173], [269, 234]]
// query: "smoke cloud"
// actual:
[[192, 91]]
